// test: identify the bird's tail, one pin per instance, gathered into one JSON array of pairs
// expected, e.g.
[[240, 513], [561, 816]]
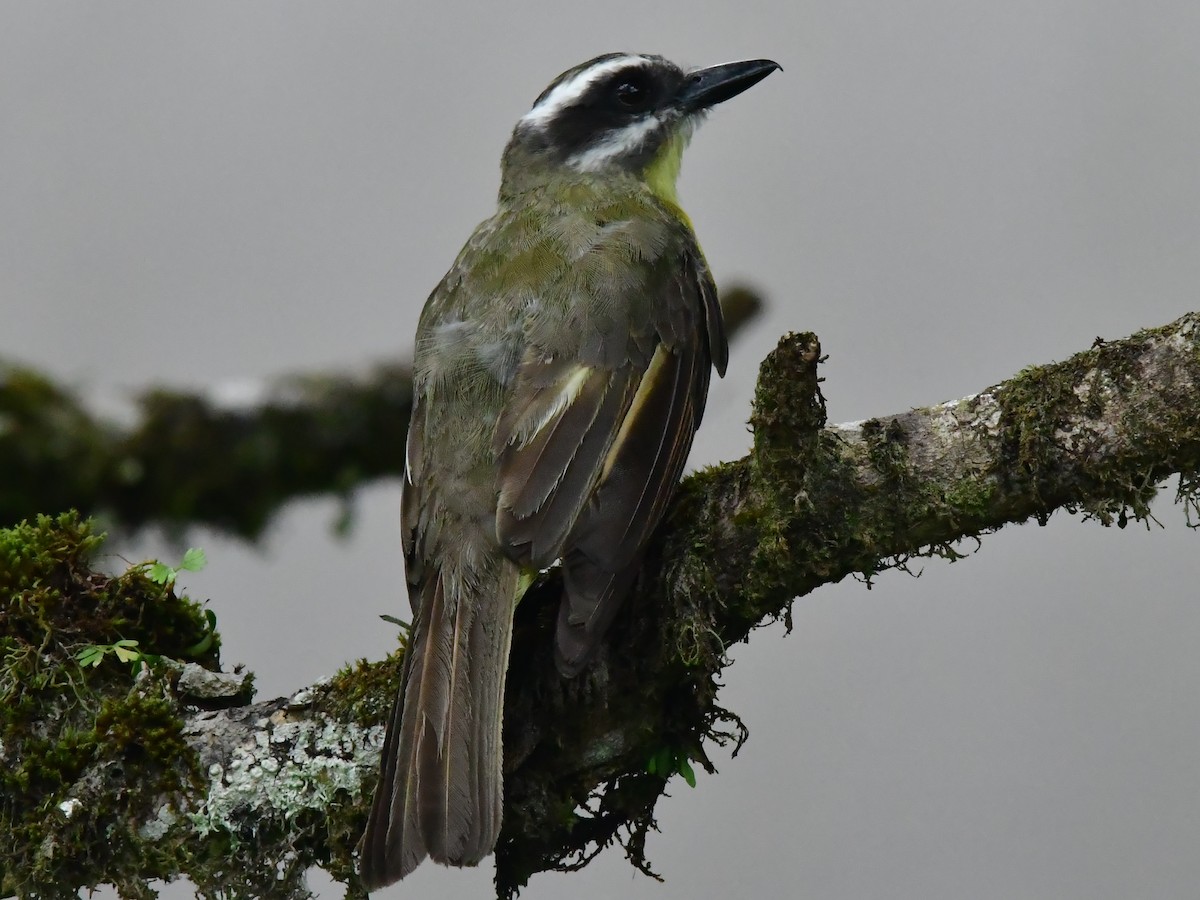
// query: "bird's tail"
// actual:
[[440, 793]]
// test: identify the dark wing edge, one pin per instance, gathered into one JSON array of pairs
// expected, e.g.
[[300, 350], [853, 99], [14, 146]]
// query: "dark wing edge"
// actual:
[[640, 475], [714, 321]]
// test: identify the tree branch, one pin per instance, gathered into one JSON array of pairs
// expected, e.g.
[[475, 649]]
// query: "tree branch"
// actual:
[[282, 785], [229, 461]]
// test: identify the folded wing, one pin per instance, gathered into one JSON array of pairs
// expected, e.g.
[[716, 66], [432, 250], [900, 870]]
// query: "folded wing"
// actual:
[[589, 455]]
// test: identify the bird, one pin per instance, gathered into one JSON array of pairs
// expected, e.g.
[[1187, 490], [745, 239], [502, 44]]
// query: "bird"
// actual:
[[560, 372]]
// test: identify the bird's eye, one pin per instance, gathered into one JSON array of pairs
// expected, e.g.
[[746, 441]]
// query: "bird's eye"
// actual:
[[633, 94]]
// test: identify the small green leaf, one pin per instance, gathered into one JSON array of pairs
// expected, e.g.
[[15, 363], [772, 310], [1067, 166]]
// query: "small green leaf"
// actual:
[[125, 651], [662, 762], [685, 769], [160, 573], [202, 646], [194, 560], [90, 656], [400, 623]]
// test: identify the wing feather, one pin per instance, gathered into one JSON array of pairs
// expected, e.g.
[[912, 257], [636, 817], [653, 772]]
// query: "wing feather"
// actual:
[[537, 538], [589, 455], [534, 463], [609, 538]]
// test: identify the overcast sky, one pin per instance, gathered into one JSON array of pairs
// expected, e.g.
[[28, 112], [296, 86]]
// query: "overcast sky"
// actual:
[[192, 194]]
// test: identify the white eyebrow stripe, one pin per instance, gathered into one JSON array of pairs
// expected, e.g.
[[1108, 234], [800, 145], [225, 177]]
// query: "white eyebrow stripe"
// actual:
[[616, 143], [573, 88]]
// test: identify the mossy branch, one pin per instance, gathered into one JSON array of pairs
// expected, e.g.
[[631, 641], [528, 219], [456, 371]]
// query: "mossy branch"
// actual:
[[283, 785], [189, 459]]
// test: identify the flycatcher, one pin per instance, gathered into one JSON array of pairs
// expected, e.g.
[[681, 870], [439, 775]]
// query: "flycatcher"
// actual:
[[560, 373]]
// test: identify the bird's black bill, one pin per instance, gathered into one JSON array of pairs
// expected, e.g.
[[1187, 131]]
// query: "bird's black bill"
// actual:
[[708, 87]]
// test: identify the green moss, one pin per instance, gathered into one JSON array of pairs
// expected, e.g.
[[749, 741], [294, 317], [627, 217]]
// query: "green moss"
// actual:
[[142, 728], [694, 637], [362, 693], [1034, 404], [904, 501], [1038, 444], [971, 499], [801, 523], [67, 819]]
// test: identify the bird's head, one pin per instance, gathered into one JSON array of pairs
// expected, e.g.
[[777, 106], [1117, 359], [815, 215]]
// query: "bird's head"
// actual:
[[622, 115]]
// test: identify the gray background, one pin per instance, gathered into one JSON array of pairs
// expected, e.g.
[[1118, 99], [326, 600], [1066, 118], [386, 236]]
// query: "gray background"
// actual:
[[944, 191]]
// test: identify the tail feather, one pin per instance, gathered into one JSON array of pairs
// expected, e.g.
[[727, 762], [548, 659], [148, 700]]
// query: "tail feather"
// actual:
[[440, 792]]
